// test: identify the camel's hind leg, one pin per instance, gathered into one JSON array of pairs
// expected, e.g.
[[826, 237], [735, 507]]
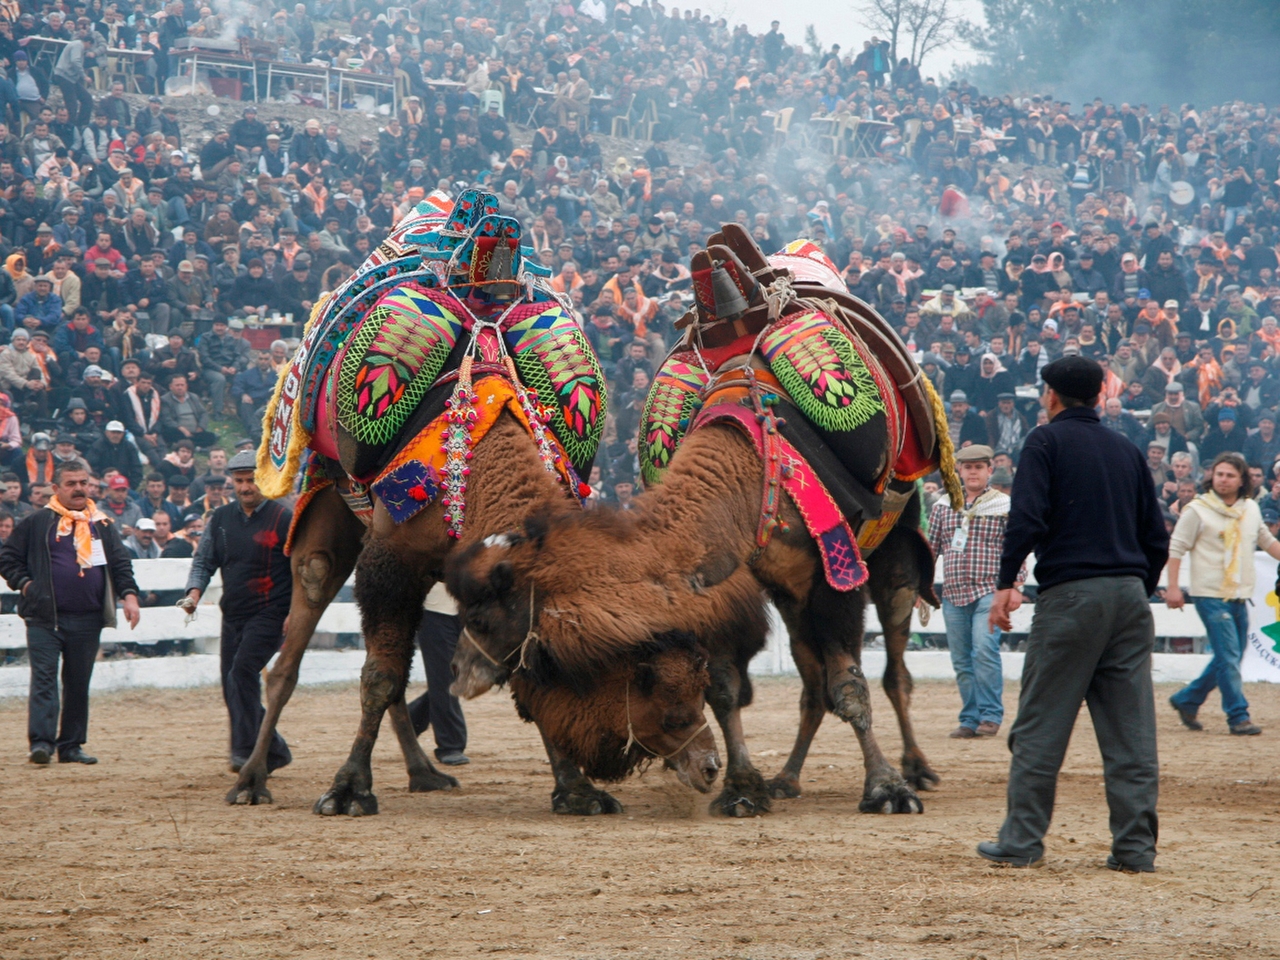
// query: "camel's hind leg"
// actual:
[[390, 593], [325, 547], [894, 584], [836, 622]]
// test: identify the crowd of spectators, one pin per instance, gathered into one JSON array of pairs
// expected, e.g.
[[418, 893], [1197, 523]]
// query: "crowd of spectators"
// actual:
[[996, 232]]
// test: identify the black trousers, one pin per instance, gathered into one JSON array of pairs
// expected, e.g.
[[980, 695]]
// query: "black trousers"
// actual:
[[247, 645], [78, 99], [437, 708], [1090, 640], [76, 642]]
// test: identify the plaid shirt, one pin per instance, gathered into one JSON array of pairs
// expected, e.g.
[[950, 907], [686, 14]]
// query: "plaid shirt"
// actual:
[[970, 574]]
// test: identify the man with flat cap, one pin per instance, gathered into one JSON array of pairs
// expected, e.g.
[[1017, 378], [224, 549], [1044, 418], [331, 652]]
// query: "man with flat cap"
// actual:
[[968, 543], [1083, 501]]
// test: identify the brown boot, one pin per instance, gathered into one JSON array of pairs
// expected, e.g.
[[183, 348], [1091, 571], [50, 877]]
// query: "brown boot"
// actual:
[[963, 733], [987, 729]]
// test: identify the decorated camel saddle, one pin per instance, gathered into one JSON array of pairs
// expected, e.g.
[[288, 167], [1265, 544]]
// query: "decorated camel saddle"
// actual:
[[406, 366], [836, 407]]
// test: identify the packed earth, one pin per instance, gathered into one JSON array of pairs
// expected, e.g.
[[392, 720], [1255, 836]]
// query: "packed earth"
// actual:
[[140, 857]]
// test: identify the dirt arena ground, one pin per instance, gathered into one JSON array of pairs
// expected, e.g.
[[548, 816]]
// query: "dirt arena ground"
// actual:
[[138, 857]]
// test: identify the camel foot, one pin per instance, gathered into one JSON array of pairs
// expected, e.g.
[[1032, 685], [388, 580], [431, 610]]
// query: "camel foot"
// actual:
[[251, 787], [424, 781], [917, 772], [583, 801], [889, 793], [745, 794], [851, 699], [350, 794], [784, 788]]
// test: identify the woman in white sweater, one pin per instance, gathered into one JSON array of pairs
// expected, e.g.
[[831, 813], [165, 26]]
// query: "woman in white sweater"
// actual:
[[1220, 529]]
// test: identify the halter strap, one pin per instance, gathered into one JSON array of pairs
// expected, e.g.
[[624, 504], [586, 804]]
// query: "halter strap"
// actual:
[[530, 637], [632, 738]]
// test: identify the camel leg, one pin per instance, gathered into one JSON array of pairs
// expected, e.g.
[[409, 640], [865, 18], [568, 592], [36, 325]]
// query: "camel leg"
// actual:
[[574, 793], [423, 776], [745, 793], [325, 547], [837, 622], [813, 707], [898, 568], [390, 594], [895, 619]]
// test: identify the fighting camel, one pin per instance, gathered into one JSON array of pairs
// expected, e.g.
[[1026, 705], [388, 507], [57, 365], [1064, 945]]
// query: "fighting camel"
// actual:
[[408, 401], [788, 418]]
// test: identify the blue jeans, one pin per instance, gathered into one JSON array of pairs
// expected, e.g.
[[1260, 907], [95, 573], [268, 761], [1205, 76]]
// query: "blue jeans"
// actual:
[[975, 655], [1227, 624]]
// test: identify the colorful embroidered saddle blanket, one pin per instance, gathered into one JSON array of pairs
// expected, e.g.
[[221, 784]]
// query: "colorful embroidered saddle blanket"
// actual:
[[838, 411], [357, 388]]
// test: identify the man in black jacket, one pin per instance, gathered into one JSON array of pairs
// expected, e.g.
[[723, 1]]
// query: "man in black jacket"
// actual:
[[1084, 502], [246, 541], [69, 565]]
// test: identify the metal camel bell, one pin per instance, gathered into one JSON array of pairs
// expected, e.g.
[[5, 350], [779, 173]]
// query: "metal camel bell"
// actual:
[[729, 301]]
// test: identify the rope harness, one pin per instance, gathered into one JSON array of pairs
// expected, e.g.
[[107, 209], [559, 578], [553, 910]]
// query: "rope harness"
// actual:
[[531, 636], [632, 738]]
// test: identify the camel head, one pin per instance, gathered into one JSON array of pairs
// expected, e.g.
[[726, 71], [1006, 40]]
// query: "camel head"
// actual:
[[630, 714]]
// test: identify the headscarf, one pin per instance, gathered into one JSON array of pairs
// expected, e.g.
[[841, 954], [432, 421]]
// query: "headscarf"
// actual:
[[1231, 537], [16, 264], [79, 523], [5, 410], [997, 368]]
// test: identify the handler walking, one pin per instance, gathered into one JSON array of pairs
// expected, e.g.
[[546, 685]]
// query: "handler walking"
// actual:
[[245, 540], [69, 564], [1219, 529], [1084, 502]]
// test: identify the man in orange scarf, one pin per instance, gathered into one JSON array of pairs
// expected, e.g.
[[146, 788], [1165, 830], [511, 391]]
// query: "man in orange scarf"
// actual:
[[68, 565]]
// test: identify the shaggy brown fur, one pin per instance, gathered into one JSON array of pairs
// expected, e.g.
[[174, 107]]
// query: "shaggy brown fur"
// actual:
[[665, 694], [620, 577]]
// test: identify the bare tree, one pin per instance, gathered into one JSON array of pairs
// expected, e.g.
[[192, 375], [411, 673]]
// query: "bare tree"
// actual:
[[931, 25], [928, 24]]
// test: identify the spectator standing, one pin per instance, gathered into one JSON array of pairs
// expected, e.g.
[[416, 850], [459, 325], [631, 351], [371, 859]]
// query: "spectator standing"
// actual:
[[1219, 530], [69, 566], [245, 540], [968, 542], [1084, 502]]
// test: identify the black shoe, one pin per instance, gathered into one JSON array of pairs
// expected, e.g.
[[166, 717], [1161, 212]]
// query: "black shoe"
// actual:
[[1246, 729], [76, 755], [275, 763], [1187, 717], [993, 852], [453, 758], [1114, 864], [237, 763], [41, 753]]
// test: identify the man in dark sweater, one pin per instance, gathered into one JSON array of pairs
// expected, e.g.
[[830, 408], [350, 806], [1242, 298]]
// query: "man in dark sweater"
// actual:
[[69, 565], [1083, 501], [246, 541]]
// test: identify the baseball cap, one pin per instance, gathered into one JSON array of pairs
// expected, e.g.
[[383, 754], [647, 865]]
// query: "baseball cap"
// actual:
[[118, 482], [115, 426], [146, 523]]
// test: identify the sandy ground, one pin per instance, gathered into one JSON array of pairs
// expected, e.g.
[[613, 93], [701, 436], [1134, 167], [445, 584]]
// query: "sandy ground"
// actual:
[[139, 857]]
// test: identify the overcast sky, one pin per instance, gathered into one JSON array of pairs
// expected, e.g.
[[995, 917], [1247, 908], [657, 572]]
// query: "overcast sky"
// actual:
[[837, 21]]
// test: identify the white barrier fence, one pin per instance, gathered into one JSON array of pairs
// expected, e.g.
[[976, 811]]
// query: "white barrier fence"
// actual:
[[167, 624]]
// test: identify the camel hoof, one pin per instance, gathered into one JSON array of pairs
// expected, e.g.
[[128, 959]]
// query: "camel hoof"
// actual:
[[917, 772], [340, 800], [585, 802], [784, 788], [745, 794], [248, 796], [892, 796], [431, 779]]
